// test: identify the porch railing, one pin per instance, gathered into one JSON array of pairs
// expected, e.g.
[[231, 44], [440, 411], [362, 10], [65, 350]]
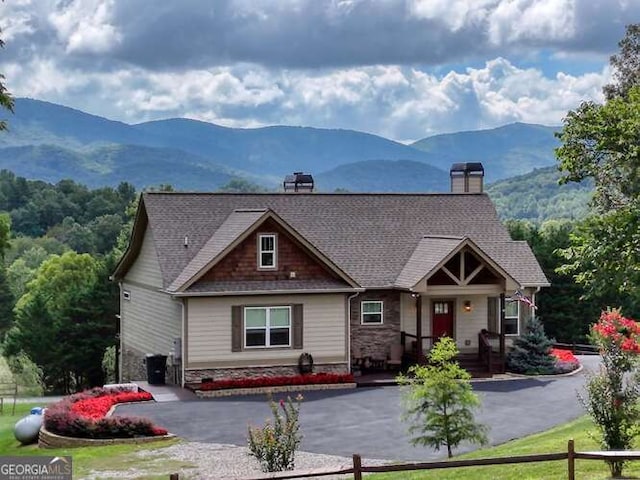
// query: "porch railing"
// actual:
[[486, 351], [409, 344]]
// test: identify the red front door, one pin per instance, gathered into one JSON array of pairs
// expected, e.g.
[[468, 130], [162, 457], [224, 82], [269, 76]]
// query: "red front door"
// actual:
[[442, 319]]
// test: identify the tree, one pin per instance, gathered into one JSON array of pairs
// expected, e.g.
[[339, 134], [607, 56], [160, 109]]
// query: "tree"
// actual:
[[626, 64], [66, 319], [6, 101], [531, 353], [601, 142], [562, 309], [440, 402], [613, 393]]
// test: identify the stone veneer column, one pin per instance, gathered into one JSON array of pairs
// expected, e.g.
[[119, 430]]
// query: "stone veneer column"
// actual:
[[375, 340]]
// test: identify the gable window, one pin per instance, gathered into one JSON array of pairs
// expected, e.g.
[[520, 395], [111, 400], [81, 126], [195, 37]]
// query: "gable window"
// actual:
[[511, 317], [267, 251], [267, 327], [371, 312]]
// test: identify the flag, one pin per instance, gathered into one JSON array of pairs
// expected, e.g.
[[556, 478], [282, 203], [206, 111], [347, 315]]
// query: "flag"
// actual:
[[524, 299]]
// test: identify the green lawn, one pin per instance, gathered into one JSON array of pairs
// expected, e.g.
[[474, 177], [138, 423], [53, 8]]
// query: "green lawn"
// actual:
[[94, 459], [554, 440]]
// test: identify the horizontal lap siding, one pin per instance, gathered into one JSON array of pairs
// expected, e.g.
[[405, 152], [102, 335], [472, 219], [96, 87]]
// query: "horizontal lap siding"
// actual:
[[146, 268], [151, 320], [469, 324], [209, 328]]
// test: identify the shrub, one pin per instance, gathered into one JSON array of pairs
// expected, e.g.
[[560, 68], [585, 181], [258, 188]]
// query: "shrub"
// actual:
[[565, 361], [612, 394], [311, 379], [275, 445], [26, 374], [83, 415], [440, 402], [531, 354], [109, 364]]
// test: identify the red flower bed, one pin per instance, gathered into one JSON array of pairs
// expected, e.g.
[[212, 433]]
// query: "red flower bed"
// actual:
[[310, 379], [97, 407], [565, 360], [82, 415]]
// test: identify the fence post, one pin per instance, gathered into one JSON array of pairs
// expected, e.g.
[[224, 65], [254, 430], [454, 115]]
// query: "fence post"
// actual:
[[571, 460], [357, 467]]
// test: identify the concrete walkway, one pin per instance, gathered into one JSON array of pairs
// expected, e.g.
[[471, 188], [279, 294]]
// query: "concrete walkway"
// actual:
[[367, 420]]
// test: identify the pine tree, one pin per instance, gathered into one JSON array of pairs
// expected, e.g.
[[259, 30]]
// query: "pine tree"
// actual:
[[440, 402], [531, 352]]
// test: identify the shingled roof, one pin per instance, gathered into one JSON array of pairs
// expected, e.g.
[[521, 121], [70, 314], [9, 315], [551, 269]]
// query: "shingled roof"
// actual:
[[371, 237]]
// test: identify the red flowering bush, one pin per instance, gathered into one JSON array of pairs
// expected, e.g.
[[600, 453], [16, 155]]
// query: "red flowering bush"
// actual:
[[83, 415], [310, 379], [614, 328], [613, 393], [565, 360]]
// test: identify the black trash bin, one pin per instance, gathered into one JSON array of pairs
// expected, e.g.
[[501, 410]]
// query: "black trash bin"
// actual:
[[156, 367]]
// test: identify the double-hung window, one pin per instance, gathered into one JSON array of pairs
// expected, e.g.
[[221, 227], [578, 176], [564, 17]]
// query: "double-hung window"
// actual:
[[372, 312], [511, 317], [267, 327], [267, 251]]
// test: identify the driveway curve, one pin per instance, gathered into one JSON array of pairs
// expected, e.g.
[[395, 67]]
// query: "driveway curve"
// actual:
[[367, 420]]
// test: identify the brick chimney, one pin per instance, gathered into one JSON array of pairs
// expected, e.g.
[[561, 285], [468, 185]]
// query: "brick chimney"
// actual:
[[467, 177]]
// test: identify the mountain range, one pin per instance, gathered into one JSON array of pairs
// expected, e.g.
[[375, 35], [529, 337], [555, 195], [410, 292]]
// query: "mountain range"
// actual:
[[51, 142]]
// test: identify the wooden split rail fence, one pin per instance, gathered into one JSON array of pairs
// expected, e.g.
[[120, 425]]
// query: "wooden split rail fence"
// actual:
[[357, 469]]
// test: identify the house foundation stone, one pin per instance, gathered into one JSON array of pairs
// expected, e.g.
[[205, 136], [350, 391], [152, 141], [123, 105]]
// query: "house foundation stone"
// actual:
[[196, 376]]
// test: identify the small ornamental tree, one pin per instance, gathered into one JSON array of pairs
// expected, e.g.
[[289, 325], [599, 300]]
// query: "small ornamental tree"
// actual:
[[531, 354], [613, 393], [439, 401], [275, 445]]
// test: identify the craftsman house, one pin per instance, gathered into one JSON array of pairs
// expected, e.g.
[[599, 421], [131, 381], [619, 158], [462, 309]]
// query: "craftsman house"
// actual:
[[232, 285]]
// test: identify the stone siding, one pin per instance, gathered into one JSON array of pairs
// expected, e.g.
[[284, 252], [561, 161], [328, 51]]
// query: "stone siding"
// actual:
[[375, 340], [196, 376], [134, 368]]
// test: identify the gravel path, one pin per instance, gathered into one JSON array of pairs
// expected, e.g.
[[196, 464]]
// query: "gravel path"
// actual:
[[226, 462]]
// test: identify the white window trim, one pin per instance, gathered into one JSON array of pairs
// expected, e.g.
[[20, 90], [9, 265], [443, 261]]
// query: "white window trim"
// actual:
[[362, 312], [517, 318], [274, 251], [267, 327]]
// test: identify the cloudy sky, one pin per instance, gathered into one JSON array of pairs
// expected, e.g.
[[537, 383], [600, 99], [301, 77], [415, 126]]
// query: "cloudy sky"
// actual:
[[404, 69]]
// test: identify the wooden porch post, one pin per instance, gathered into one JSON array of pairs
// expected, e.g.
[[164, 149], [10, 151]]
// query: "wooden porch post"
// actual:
[[419, 351]]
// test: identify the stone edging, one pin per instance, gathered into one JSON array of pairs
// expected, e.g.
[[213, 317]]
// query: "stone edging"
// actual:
[[47, 439], [519, 376], [266, 390]]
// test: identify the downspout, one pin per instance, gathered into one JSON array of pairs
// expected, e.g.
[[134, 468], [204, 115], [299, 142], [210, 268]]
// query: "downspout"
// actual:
[[351, 297], [118, 366], [183, 353]]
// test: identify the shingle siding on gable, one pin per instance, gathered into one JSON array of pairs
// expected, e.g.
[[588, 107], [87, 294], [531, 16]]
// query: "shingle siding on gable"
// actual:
[[242, 263]]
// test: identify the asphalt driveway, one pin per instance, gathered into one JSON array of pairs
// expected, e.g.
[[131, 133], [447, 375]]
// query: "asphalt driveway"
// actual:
[[367, 420]]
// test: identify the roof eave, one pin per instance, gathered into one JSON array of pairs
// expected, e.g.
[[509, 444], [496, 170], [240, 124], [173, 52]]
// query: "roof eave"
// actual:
[[134, 244], [236, 293]]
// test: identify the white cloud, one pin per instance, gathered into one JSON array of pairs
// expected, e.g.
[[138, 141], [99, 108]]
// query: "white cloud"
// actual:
[[86, 26], [394, 101], [542, 21]]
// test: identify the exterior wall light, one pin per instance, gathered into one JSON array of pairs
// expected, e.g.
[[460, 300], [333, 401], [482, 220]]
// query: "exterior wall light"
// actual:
[[467, 306]]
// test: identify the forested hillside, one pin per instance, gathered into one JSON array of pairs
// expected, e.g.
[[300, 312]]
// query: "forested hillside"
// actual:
[[538, 196]]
